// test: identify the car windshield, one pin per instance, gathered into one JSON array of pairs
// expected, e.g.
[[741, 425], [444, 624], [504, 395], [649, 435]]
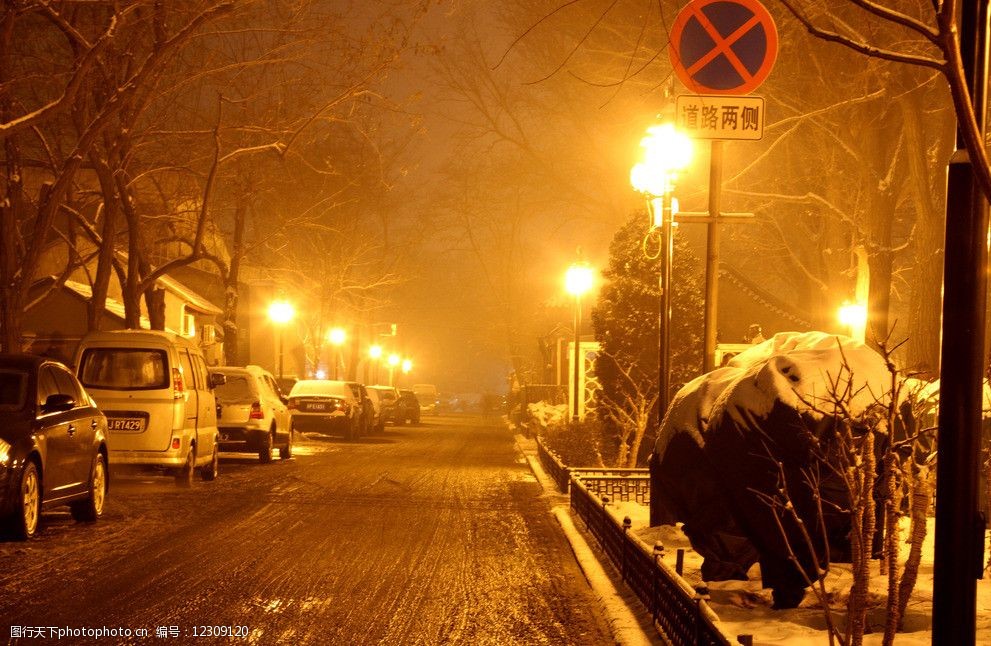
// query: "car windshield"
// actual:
[[320, 387], [239, 388], [386, 395], [13, 389], [124, 369]]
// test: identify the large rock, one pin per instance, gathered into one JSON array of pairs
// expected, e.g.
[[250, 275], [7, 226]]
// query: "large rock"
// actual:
[[731, 436]]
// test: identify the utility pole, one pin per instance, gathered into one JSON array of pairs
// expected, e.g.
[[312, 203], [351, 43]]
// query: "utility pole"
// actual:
[[960, 525]]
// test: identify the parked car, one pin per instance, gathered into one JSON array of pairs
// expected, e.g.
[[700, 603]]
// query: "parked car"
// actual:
[[368, 420], [407, 408], [325, 406], [158, 397], [378, 420], [427, 395], [253, 418], [53, 444], [388, 400]]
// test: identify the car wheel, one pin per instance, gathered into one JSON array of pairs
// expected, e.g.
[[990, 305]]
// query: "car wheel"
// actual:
[[285, 452], [210, 471], [91, 508], [27, 508], [184, 476], [265, 452]]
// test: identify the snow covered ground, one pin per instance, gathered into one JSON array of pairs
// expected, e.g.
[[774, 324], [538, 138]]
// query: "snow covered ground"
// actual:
[[744, 608]]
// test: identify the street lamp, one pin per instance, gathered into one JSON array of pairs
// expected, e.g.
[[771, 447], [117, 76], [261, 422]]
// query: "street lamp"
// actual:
[[336, 336], [280, 312], [665, 152], [577, 281], [393, 362], [375, 352], [854, 317]]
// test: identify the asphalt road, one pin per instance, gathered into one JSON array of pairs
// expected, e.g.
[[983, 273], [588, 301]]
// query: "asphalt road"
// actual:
[[434, 534]]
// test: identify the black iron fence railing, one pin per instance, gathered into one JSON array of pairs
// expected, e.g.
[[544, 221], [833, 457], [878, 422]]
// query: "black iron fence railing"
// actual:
[[679, 614], [554, 467], [617, 484]]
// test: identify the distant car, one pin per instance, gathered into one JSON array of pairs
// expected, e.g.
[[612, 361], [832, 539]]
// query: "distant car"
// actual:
[[53, 444], [427, 395], [324, 406], [388, 399], [377, 424], [253, 418], [407, 408], [368, 420]]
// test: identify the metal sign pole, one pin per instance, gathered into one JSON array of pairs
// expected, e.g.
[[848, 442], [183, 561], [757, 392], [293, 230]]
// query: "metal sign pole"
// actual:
[[712, 256]]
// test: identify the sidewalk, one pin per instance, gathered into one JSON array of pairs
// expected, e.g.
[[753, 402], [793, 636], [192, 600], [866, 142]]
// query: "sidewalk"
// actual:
[[629, 622]]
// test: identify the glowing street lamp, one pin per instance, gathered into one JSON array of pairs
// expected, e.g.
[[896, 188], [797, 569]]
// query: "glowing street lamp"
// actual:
[[665, 152], [854, 317], [577, 281], [375, 353], [393, 362], [336, 336], [406, 366], [281, 312]]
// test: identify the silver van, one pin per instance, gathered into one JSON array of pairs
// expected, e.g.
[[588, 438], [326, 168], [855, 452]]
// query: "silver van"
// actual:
[[158, 397]]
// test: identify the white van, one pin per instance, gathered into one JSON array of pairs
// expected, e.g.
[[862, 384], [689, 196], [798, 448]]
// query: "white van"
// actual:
[[158, 397]]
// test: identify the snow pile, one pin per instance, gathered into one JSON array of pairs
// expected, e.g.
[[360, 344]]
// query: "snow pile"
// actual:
[[547, 415]]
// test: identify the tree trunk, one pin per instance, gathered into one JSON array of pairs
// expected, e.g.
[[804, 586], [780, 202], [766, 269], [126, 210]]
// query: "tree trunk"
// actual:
[[922, 347], [232, 353], [108, 235]]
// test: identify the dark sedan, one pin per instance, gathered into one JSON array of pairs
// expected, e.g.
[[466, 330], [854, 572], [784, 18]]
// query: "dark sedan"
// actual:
[[53, 444]]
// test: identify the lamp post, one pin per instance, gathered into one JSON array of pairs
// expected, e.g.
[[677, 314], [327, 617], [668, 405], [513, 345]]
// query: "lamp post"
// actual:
[[375, 352], [665, 152], [578, 280], [336, 336], [393, 362], [280, 312]]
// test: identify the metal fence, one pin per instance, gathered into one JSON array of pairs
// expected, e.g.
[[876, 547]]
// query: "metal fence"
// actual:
[[678, 613], [617, 484], [554, 467]]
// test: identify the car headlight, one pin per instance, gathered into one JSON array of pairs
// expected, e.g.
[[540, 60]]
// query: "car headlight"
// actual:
[[5, 448]]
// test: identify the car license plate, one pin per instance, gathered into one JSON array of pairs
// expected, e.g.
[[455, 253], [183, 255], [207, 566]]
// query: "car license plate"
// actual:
[[316, 406], [126, 424]]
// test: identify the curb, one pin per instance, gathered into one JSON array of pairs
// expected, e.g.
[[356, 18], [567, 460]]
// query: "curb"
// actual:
[[623, 623]]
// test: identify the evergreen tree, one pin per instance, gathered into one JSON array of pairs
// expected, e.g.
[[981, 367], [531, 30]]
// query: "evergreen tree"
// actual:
[[626, 324]]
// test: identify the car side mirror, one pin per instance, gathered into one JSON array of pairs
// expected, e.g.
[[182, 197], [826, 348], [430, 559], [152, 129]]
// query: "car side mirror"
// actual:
[[217, 379], [59, 403]]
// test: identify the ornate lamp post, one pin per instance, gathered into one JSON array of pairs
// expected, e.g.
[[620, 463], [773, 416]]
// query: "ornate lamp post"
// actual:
[[665, 152], [577, 281], [280, 312]]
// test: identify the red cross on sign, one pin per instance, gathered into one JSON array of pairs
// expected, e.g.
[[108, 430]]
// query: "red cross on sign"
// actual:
[[723, 46]]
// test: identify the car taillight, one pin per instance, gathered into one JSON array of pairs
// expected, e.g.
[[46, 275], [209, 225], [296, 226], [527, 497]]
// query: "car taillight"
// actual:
[[256, 411], [178, 387], [293, 404]]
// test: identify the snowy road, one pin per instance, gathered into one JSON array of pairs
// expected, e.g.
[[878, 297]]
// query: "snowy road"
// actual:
[[426, 535]]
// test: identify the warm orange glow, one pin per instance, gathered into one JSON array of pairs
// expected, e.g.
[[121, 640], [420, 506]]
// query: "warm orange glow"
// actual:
[[281, 312]]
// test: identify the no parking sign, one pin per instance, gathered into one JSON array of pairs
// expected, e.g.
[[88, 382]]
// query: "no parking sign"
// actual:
[[723, 46]]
